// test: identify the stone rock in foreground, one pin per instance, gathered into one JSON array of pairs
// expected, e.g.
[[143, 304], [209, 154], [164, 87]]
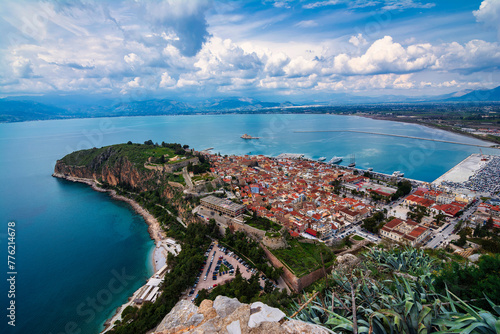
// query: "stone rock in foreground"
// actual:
[[229, 316]]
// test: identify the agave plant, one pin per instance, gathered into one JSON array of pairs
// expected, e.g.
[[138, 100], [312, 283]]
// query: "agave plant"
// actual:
[[360, 304], [473, 320], [408, 260]]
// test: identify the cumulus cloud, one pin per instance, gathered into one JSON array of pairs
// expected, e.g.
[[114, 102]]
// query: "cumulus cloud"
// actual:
[[167, 81], [275, 63], [489, 14], [358, 40], [300, 67], [22, 67], [134, 83], [385, 56], [186, 19], [133, 59], [475, 55], [135, 47], [223, 58]]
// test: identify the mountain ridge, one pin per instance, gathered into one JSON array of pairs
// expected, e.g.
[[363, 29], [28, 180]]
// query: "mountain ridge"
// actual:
[[25, 108]]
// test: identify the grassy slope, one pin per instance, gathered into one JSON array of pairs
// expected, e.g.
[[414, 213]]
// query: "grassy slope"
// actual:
[[303, 258], [138, 154]]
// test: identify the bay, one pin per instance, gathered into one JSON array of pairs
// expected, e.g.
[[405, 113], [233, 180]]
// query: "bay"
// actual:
[[72, 243]]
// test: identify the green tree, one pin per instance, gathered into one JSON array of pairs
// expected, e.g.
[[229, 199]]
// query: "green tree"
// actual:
[[471, 281]]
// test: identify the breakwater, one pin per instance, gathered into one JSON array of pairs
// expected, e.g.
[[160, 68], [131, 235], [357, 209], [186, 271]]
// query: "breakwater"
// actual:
[[400, 136]]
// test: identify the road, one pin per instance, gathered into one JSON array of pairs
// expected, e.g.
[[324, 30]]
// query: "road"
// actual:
[[443, 235], [187, 178], [170, 213]]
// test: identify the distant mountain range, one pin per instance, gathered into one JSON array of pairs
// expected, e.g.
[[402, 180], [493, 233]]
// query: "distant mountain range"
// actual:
[[29, 108], [480, 95]]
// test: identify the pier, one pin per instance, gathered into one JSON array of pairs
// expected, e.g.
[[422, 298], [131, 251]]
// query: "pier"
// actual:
[[401, 136]]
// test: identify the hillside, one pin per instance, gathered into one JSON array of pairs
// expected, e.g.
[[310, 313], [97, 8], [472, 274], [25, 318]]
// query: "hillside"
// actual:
[[20, 111], [479, 95]]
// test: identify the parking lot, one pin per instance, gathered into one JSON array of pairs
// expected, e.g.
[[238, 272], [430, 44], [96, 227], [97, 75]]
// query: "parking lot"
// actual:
[[214, 269]]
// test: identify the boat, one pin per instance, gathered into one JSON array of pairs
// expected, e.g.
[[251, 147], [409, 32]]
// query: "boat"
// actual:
[[335, 160], [245, 136], [322, 159], [398, 174], [370, 169], [353, 161]]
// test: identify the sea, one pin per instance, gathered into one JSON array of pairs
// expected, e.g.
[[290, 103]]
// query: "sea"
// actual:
[[80, 254]]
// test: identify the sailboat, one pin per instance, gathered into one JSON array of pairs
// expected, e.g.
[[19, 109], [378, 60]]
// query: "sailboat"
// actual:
[[353, 161]]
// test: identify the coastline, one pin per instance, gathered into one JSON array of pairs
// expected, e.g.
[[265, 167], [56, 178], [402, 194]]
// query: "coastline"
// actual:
[[158, 258], [154, 228], [431, 126]]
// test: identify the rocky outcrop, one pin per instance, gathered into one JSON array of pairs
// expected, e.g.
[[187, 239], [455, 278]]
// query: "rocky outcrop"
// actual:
[[121, 172], [81, 172], [229, 316], [274, 242]]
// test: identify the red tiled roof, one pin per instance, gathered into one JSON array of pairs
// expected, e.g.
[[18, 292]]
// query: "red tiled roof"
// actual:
[[419, 193], [393, 223], [417, 231], [411, 222], [311, 232]]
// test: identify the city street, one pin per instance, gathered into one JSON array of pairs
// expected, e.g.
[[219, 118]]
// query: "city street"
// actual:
[[443, 235]]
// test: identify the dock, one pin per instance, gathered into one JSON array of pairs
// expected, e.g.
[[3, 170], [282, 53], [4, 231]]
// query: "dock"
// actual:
[[463, 170]]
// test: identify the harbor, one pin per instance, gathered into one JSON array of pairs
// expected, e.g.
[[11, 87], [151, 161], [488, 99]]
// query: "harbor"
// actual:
[[477, 173], [462, 171]]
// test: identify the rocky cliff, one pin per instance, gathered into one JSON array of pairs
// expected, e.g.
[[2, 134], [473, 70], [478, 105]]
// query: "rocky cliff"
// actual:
[[121, 172], [110, 165], [229, 316], [122, 165]]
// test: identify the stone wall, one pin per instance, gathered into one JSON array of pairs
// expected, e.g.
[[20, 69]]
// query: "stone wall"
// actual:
[[252, 232], [170, 168], [295, 283], [290, 279]]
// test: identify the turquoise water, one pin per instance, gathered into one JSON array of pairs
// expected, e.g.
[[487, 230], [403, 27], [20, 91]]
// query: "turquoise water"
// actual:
[[72, 241]]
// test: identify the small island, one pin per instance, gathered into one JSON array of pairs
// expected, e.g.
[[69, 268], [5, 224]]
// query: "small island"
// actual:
[[245, 136]]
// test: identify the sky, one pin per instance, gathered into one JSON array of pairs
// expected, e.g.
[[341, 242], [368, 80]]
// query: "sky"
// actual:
[[272, 50]]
